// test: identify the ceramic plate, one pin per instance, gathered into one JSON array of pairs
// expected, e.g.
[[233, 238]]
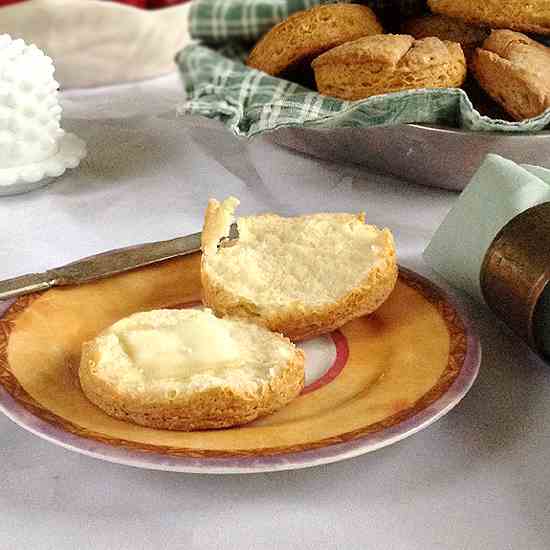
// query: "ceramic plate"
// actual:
[[377, 380]]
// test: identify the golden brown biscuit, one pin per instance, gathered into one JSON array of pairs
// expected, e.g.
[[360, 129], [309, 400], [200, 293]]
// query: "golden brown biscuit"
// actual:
[[447, 28], [515, 71], [482, 101], [389, 63], [532, 16], [306, 34]]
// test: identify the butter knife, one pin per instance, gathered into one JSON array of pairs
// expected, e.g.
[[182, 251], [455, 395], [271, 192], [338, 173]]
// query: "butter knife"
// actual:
[[101, 265]]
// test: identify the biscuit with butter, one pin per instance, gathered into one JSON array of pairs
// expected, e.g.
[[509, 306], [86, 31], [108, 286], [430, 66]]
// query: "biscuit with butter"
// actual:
[[515, 71], [389, 63], [306, 34], [189, 370]]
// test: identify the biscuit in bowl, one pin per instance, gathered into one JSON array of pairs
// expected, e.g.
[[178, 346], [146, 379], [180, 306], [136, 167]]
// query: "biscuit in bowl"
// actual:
[[306, 34], [532, 16], [301, 276], [515, 71], [188, 370], [388, 63], [447, 28]]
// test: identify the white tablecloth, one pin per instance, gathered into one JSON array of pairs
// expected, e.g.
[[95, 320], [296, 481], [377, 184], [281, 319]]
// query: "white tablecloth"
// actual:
[[477, 479]]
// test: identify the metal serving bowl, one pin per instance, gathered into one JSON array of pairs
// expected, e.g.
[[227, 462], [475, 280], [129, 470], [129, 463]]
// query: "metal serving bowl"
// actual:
[[428, 155]]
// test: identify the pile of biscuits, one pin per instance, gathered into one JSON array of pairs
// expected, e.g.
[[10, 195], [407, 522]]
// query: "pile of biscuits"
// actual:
[[474, 44]]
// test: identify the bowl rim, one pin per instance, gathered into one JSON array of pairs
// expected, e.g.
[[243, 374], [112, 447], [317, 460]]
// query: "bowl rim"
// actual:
[[460, 131]]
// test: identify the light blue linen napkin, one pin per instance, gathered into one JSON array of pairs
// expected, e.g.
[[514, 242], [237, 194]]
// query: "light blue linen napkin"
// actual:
[[499, 191]]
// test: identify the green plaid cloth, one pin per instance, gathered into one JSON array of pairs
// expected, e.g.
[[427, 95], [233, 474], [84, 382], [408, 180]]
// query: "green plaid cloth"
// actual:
[[249, 102]]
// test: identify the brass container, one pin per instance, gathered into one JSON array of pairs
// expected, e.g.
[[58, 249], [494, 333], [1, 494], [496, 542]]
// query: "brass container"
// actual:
[[515, 274]]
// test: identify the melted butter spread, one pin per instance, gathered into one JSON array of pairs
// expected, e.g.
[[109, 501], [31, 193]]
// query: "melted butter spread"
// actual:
[[181, 350]]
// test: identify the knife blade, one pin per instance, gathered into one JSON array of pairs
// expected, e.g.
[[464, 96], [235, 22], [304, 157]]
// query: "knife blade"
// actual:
[[101, 265]]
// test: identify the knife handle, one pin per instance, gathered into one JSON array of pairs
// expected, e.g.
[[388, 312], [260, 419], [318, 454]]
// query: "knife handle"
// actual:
[[26, 284]]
